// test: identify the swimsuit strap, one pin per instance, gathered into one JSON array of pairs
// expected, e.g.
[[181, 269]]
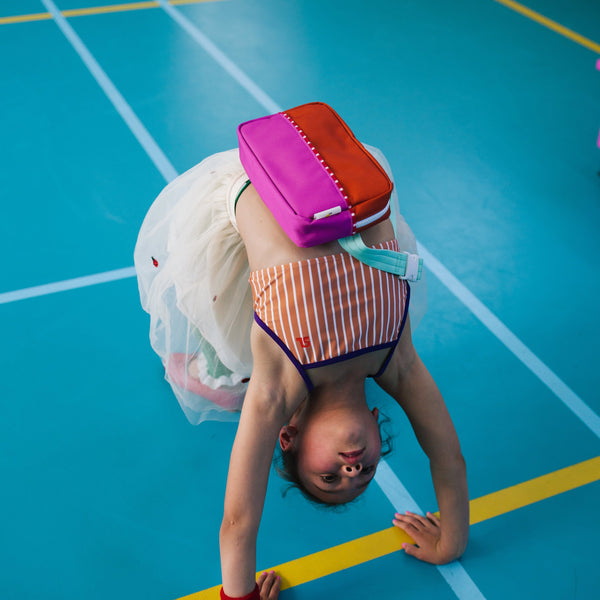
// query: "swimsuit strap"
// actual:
[[246, 184], [299, 367], [388, 358]]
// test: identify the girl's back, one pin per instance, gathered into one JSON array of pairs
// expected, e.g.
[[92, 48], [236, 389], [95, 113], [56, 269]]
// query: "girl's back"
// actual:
[[268, 245]]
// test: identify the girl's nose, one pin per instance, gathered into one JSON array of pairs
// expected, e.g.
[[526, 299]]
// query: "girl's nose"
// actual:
[[352, 471]]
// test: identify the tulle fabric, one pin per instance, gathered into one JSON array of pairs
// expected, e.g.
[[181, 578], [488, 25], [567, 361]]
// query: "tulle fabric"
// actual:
[[193, 276]]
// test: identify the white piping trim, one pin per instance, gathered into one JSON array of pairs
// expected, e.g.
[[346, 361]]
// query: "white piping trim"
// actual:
[[373, 218]]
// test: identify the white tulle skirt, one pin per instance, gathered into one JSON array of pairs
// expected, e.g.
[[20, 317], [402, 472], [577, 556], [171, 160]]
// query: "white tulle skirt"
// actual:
[[193, 276]]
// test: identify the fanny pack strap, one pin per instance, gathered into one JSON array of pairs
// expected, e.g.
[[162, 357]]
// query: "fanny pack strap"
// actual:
[[403, 264]]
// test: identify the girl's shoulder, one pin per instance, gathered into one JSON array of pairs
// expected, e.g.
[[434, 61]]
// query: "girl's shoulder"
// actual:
[[274, 374]]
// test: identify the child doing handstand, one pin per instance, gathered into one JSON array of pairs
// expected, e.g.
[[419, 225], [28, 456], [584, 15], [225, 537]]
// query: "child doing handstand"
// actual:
[[323, 323]]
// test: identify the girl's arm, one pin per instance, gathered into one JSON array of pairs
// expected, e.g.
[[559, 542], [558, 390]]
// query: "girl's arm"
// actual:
[[410, 384], [273, 393]]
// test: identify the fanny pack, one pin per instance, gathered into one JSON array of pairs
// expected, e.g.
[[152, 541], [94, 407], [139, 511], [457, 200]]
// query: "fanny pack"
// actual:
[[320, 182]]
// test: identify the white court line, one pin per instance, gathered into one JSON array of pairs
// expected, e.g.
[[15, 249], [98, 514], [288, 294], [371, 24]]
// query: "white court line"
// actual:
[[226, 63], [454, 573], [67, 284], [512, 342], [147, 142]]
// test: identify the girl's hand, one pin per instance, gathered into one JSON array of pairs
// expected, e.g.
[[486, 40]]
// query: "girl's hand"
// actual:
[[427, 534], [269, 585]]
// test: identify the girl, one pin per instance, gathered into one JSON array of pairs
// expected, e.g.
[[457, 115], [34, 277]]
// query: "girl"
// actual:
[[323, 322]]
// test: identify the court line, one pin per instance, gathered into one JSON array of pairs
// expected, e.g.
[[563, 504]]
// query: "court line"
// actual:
[[454, 573], [161, 162], [25, 18], [221, 58], [67, 284], [109, 89], [384, 542], [562, 391], [520, 8], [109, 9], [550, 24], [97, 10]]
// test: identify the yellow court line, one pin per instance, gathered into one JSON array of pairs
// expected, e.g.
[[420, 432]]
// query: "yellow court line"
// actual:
[[520, 8], [553, 25], [101, 10], [358, 551], [25, 18], [98, 10]]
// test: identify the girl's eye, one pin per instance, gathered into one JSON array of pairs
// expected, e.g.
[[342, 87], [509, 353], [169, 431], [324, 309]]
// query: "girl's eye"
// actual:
[[367, 470], [328, 478]]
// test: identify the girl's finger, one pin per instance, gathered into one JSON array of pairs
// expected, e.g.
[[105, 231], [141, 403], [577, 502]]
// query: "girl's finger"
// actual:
[[414, 520], [434, 519], [408, 528], [420, 518], [412, 550], [266, 582], [274, 592], [403, 524]]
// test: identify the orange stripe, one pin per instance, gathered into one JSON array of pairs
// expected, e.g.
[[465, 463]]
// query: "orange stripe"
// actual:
[[284, 307], [358, 323], [292, 310], [353, 313], [339, 305], [315, 337]]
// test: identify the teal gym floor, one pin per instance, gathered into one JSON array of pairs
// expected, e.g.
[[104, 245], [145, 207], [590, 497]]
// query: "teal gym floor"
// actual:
[[488, 112]]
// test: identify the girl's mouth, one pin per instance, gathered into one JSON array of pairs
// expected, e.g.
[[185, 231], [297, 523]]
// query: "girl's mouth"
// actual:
[[353, 456]]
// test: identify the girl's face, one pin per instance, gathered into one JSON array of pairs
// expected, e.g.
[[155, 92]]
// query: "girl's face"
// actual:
[[338, 452]]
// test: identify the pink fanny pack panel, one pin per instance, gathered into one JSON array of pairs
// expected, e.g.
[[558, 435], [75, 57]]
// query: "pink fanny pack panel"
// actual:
[[316, 178]]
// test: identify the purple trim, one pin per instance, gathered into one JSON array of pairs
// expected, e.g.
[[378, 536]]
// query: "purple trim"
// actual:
[[287, 351], [349, 355], [386, 362]]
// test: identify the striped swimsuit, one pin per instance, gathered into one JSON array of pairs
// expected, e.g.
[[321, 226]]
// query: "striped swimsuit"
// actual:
[[328, 309]]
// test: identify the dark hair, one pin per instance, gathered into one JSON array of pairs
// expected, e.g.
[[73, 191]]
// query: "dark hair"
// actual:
[[287, 467]]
